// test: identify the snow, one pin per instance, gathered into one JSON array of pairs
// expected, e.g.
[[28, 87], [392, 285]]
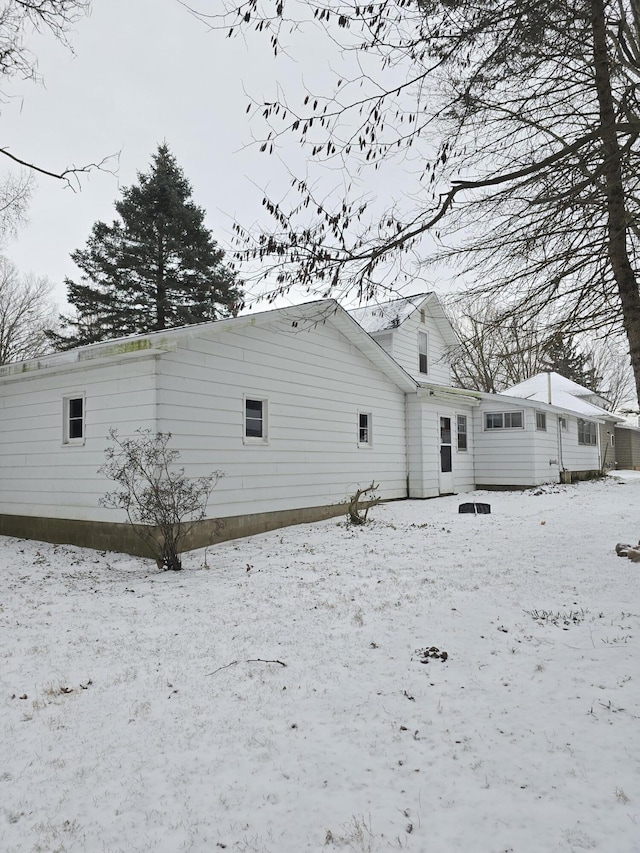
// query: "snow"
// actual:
[[386, 315], [539, 384], [147, 711], [565, 394]]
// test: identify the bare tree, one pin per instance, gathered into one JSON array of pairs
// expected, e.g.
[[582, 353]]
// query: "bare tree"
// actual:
[[520, 120], [610, 359], [19, 21], [26, 311], [15, 193], [494, 352]]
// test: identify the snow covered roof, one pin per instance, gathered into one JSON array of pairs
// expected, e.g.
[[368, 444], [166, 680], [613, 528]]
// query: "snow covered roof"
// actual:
[[557, 390], [540, 383], [387, 315], [384, 316]]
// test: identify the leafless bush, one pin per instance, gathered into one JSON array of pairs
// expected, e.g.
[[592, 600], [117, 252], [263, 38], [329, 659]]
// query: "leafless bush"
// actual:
[[360, 504], [162, 503]]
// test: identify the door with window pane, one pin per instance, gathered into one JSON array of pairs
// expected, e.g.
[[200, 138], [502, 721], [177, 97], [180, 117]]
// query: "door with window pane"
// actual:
[[446, 456]]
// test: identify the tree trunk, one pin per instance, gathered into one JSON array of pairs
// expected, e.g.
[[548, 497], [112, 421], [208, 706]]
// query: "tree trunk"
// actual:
[[622, 269]]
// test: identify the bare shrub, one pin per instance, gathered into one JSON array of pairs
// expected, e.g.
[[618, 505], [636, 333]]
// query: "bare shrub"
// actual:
[[360, 504], [162, 503]]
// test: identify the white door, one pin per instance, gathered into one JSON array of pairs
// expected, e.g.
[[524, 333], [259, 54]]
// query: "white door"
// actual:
[[446, 456]]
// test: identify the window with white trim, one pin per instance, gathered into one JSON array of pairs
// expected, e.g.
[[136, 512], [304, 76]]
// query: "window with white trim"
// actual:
[[364, 429], [587, 432], [461, 422], [423, 352], [541, 421], [73, 416], [564, 423], [255, 421], [503, 420]]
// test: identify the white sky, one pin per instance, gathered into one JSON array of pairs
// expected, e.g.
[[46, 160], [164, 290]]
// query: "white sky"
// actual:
[[142, 73]]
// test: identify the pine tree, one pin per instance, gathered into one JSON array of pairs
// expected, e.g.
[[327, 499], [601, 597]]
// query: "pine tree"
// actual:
[[155, 268], [563, 357]]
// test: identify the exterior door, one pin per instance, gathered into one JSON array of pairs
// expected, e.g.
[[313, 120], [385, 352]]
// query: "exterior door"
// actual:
[[446, 457]]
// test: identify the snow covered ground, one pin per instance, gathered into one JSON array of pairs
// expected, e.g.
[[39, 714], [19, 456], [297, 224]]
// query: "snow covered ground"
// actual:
[[432, 682]]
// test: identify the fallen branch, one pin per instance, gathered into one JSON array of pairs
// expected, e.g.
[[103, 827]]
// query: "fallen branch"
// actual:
[[250, 660]]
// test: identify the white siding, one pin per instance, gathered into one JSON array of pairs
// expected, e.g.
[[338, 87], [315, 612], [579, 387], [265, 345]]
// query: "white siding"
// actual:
[[424, 447], [546, 449], [463, 461], [504, 457], [40, 476], [529, 456], [315, 383], [404, 348], [577, 457]]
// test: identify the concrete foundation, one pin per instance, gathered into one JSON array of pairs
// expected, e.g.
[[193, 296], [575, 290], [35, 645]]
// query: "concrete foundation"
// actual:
[[103, 536]]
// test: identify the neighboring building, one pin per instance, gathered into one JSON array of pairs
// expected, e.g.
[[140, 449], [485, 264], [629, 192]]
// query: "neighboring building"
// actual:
[[298, 406], [627, 439]]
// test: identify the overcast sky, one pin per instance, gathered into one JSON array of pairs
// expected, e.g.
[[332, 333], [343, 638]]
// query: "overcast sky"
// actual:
[[143, 72]]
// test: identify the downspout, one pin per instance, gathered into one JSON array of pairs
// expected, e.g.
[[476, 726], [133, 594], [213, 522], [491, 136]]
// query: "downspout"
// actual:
[[560, 460]]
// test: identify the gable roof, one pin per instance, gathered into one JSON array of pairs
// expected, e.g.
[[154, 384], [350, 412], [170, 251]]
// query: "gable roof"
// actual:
[[298, 318], [385, 316], [557, 390]]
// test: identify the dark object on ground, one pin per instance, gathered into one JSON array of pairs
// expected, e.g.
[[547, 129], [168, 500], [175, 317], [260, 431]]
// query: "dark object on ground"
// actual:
[[431, 653], [476, 508]]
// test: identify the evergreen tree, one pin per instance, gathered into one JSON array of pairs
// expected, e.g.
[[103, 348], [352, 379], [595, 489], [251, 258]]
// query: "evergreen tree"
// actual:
[[563, 357], [155, 268]]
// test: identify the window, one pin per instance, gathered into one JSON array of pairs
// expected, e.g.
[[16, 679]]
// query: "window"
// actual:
[[423, 318], [364, 428], [462, 432], [73, 423], [503, 420], [541, 420], [587, 433], [564, 423], [423, 345], [255, 421]]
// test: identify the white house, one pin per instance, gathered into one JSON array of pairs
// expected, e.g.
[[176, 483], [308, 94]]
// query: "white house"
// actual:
[[416, 332], [459, 439], [586, 434], [298, 406]]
